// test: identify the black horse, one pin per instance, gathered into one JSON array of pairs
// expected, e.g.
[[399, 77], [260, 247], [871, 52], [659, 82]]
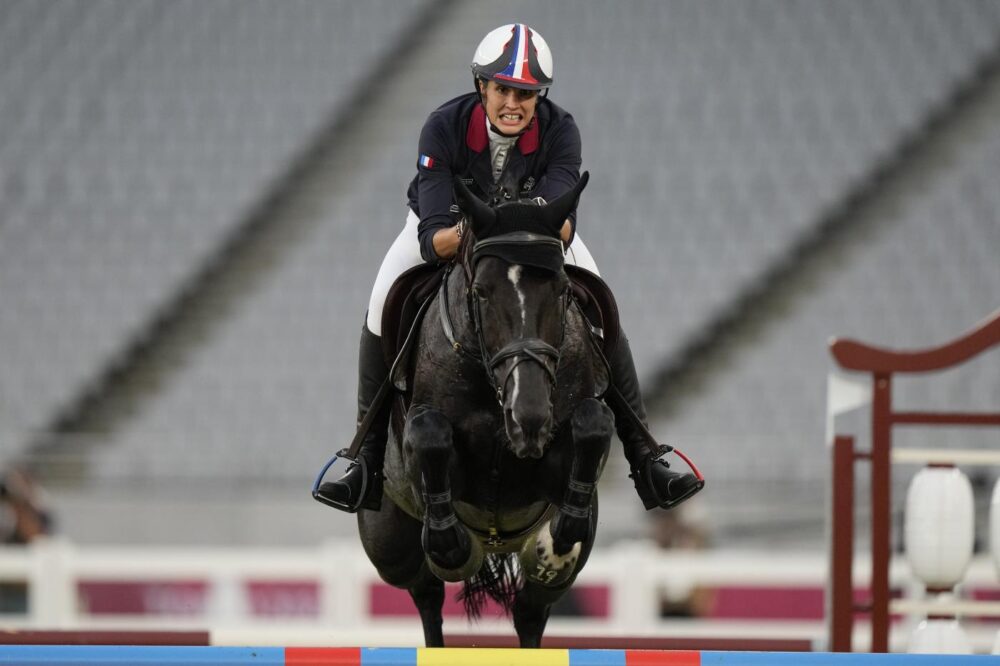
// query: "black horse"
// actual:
[[498, 453]]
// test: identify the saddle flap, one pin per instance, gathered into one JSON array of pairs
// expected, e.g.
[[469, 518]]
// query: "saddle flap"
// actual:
[[598, 305], [404, 308], [403, 302]]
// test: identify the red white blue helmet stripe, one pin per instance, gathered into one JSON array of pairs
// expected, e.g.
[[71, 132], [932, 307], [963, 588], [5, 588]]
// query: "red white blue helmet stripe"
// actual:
[[517, 69]]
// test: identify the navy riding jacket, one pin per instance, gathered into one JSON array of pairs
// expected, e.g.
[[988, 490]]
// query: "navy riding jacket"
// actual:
[[454, 141]]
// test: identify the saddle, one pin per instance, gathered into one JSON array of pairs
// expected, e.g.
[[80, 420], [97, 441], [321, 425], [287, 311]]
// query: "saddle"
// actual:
[[407, 298], [598, 305], [411, 293]]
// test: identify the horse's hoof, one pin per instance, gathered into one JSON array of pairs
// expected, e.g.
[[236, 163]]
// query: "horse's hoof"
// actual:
[[455, 564]]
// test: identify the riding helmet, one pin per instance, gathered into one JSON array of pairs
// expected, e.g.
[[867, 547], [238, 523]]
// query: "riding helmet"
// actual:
[[516, 56]]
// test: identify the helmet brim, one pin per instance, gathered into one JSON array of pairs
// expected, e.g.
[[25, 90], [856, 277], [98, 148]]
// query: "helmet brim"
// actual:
[[509, 81]]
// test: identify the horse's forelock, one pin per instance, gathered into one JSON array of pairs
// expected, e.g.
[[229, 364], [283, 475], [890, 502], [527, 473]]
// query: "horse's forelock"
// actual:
[[524, 248], [525, 216]]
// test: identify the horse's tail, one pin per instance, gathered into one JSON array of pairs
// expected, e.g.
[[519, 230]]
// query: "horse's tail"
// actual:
[[498, 579]]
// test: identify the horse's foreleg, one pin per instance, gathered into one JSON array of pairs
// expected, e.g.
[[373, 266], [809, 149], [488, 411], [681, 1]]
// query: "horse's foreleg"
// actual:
[[592, 425], [428, 442], [428, 596]]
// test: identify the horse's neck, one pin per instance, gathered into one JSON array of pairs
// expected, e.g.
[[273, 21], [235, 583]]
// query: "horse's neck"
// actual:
[[458, 305]]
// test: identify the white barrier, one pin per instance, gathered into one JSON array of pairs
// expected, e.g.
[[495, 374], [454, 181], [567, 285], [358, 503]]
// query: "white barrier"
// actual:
[[939, 536], [636, 575]]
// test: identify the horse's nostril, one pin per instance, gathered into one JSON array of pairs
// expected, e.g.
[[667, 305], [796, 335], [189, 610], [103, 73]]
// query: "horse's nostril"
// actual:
[[534, 424], [513, 427]]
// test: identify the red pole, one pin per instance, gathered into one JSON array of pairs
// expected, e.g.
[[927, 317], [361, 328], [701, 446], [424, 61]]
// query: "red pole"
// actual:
[[881, 480], [842, 546]]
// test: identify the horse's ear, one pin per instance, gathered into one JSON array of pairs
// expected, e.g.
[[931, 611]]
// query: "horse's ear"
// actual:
[[557, 211], [481, 216]]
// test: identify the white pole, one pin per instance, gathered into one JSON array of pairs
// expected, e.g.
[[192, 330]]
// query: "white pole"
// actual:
[[52, 584]]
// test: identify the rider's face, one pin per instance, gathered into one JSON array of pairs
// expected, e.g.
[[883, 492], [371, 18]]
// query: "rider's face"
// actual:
[[510, 109]]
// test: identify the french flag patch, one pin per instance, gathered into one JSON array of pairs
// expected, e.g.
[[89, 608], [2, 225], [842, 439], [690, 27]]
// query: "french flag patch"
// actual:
[[426, 161]]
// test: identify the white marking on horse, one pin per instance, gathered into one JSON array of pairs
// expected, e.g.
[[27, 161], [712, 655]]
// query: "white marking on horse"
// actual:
[[514, 275], [547, 556]]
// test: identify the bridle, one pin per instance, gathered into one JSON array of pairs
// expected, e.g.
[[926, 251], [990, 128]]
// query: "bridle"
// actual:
[[520, 349]]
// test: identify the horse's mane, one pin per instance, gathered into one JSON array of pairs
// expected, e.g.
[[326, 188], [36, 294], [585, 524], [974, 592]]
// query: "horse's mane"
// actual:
[[463, 257]]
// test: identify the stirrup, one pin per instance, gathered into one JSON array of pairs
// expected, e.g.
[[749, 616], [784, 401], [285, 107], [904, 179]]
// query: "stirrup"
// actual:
[[336, 504], [654, 498], [671, 502], [695, 489]]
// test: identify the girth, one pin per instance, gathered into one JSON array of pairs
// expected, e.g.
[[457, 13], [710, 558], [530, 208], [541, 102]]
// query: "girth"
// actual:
[[478, 521]]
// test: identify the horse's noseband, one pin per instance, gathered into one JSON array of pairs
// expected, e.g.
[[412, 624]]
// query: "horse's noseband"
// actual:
[[521, 349]]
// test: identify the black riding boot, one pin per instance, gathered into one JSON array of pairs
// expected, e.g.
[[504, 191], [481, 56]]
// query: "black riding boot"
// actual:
[[361, 485], [655, 483]]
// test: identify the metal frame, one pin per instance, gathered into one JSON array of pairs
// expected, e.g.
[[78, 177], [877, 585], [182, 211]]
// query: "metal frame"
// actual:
[[883, 364]]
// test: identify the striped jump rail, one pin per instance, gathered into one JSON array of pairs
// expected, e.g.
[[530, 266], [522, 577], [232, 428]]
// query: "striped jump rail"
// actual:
[[58, 655]]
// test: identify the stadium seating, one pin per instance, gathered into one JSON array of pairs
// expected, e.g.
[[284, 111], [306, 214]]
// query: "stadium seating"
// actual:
[[718, 135], [923, 271], [137, 137]]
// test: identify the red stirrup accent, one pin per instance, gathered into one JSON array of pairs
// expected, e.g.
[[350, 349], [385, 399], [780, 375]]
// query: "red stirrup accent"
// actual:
[[694, 468]]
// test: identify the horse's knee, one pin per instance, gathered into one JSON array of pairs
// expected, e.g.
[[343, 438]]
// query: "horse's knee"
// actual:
[[460, 563], [428, 434], [592, 421]]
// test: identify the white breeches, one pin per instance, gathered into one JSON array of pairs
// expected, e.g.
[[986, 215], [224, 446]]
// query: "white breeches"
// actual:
[[404, 254]]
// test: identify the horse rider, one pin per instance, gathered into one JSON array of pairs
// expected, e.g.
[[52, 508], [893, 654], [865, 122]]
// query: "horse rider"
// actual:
[[507, 140]]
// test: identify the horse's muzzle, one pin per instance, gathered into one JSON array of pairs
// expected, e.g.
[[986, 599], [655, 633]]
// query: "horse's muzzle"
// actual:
[[527, 375], [529, 432]]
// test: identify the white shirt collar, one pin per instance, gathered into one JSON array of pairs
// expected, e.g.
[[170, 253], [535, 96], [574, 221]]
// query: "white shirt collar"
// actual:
[[500, 147]]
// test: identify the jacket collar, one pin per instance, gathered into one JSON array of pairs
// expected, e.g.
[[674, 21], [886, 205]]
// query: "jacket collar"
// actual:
[[477, 139]]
